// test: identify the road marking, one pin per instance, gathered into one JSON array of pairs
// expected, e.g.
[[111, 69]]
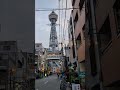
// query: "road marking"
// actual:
[[46, 82], [37, 89]]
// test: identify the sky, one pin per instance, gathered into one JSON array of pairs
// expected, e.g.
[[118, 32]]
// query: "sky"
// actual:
[[42, 29]]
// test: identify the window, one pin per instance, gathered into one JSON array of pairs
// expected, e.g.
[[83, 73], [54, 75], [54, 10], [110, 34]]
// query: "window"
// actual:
[[81, 4], [73, 2], [78, 41], [4, 56], [0, 58], [6, 47], [37, 45], [22, 60], [19, 64], [86, 8], [104, 36], [116, 8], [76, 19], [43, 53], [90, 19], [29, 60], [35, 64], [71, 26], [83, 28], [73, 49]]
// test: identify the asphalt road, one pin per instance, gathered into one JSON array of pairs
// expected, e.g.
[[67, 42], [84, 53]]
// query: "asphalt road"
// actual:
[[48, 83]]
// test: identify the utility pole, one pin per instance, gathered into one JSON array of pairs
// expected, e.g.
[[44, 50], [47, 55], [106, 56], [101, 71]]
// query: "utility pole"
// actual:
[[94, 32], [59, 22]]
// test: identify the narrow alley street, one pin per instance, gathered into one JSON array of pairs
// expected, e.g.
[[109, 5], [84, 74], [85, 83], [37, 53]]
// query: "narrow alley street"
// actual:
[[49, 83], [75, 40]]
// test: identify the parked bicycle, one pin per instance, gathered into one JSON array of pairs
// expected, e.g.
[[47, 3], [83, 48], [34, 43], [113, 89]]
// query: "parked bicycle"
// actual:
[[63, 83]]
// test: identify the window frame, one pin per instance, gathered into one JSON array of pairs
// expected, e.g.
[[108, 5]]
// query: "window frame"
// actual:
[[115, 16]]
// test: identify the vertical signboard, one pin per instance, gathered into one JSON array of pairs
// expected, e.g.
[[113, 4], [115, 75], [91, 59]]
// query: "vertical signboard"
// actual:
[[75, 86]]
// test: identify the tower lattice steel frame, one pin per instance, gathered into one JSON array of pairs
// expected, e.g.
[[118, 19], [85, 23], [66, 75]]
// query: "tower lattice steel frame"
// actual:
[[53, 44]]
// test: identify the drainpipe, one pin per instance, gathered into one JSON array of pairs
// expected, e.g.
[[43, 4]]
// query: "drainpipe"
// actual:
[[95, 40]]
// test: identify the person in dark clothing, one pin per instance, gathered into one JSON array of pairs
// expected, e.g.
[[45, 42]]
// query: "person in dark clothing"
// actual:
[[63, 83], [58, 75]]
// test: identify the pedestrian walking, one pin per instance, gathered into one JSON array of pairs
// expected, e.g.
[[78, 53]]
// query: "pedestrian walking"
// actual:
[[58, 75]]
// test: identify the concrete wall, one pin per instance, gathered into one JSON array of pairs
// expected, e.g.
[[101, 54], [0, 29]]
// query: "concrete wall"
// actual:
[[17, 19]]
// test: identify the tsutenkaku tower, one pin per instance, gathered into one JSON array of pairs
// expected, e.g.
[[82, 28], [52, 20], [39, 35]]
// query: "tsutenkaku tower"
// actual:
[[53, 44]]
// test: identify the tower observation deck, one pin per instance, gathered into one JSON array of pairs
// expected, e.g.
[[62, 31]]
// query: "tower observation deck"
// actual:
[[53, 44]]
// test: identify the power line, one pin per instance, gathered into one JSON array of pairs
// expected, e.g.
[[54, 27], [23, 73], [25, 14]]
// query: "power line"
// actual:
[[59, 20], [64, 24], [61, 23], [50, 9]]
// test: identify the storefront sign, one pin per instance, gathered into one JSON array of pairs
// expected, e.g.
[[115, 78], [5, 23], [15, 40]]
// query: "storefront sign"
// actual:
[[75, 86]]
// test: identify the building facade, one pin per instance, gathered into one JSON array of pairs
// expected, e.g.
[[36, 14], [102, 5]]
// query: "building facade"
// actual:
[[79, 30], [17, 24], [38, 53], [40, 61], [15, 67], [102, 44], [77, 37], [7, 64]]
